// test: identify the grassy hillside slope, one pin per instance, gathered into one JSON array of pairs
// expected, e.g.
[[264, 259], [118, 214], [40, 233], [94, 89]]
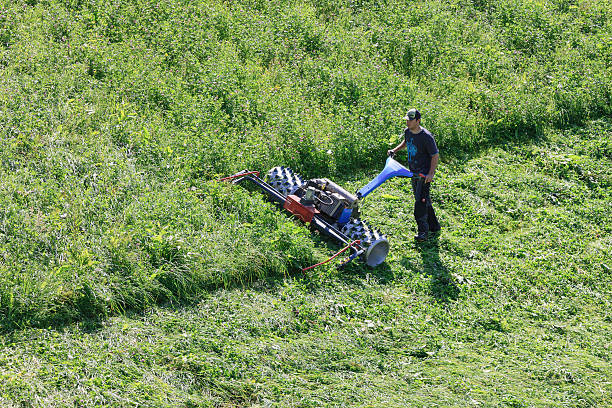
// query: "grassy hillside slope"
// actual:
[[129, 277], [509, 307], [115, 115]]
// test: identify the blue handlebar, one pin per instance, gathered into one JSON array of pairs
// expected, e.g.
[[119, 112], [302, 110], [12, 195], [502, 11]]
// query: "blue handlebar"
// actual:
[[392, 169]]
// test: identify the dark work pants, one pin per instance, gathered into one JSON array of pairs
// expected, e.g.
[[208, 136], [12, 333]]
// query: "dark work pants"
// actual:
[[423, 211]]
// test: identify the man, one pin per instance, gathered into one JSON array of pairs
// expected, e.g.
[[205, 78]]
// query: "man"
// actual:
[[423, 157]]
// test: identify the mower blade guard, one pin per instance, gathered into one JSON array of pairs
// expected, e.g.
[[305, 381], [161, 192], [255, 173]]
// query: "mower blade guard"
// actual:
[[392, 169]]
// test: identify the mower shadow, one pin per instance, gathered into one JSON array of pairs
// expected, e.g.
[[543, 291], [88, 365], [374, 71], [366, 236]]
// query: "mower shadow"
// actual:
[[355, 271], [443, 287]]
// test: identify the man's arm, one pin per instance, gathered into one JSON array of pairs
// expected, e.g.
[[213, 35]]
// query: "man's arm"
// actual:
[[432, 167], [391, 152]]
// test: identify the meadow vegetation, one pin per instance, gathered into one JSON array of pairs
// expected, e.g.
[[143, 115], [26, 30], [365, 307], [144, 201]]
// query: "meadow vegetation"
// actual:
[[128, 276]]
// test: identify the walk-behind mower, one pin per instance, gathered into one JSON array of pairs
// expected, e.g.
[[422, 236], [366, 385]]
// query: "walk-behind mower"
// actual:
[[328, 207]]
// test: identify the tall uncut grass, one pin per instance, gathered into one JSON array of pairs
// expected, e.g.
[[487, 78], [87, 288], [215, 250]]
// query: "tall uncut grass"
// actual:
[[116, 115]]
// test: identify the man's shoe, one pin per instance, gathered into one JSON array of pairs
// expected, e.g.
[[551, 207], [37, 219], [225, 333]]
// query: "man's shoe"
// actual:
[[421, 237]]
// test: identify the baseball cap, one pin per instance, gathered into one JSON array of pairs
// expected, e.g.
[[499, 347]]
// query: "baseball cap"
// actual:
[[412, 114]]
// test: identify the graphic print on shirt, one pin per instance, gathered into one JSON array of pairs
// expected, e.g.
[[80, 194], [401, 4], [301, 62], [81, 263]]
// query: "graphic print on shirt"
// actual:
[[411, 149]]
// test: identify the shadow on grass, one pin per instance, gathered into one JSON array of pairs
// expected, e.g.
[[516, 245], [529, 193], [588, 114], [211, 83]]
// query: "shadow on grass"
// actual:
[[88, 324], [443, 288], [355, 271]]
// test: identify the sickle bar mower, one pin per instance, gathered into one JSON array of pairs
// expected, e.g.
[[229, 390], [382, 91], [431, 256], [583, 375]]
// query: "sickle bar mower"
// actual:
[[327, 207]]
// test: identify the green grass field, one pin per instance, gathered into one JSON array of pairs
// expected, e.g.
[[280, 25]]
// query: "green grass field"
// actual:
[[129, 277]]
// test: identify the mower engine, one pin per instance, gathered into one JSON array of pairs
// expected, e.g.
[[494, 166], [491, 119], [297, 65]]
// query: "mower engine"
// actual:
[[325, 199]]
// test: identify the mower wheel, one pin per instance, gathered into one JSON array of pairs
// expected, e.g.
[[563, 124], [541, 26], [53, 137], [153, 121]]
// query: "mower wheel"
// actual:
[[375, 244], [284, 180]]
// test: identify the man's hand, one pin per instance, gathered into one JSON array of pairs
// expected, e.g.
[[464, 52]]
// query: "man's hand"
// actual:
[[390, 152], [432, 169]]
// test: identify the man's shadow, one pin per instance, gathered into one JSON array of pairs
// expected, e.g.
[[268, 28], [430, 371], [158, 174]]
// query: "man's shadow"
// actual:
[[443, 287]]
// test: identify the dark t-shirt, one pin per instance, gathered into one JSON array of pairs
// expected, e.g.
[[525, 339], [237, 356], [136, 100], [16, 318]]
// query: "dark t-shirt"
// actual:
[[420, 147]]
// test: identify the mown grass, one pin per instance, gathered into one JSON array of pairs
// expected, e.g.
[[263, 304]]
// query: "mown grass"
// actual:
[[129, 277]]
